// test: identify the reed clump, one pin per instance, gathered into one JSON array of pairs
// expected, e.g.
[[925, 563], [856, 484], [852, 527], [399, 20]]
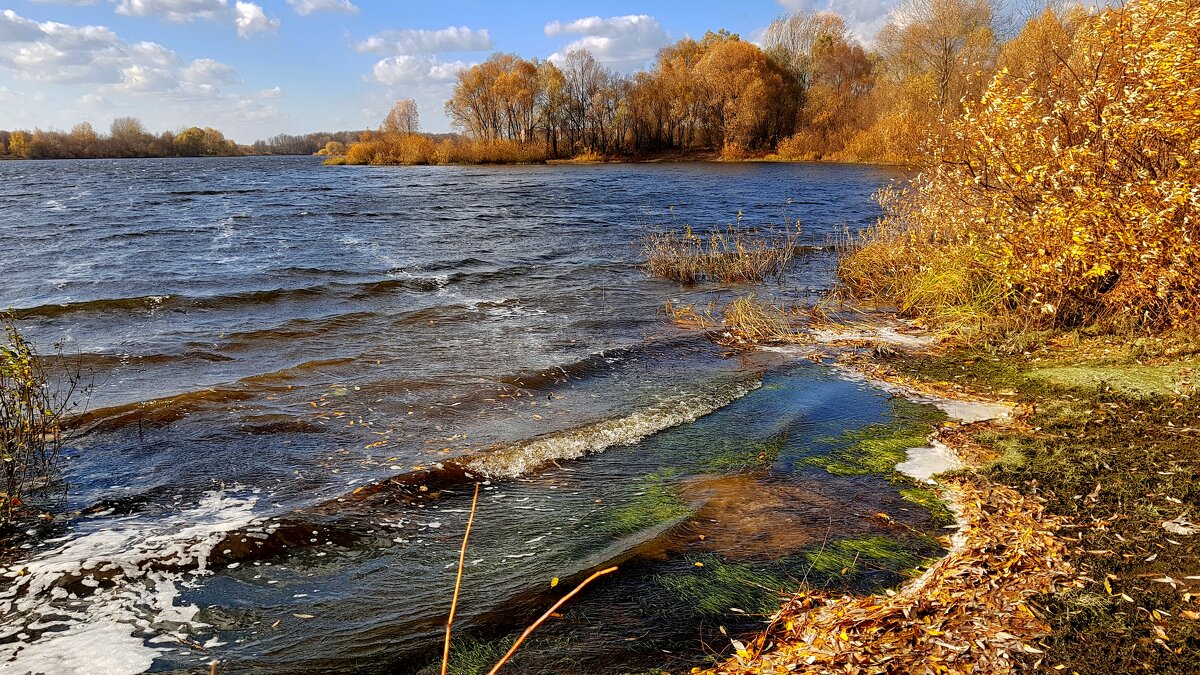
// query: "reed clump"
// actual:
[[732, 255], [742, 321], [1062, 201]]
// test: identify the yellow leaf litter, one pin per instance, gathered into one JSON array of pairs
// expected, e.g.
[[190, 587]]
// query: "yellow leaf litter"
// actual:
[[966, 614]]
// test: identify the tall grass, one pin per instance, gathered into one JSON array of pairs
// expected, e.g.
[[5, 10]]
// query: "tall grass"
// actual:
[[732, 255]]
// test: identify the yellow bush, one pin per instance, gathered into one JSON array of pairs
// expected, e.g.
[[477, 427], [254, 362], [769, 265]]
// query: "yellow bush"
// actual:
[[1060, 203]]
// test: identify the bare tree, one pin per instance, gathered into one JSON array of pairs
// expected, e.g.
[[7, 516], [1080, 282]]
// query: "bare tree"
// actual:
[[402, 118]]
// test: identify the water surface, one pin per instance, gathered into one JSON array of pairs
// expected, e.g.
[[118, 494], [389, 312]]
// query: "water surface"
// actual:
[[300, 371]]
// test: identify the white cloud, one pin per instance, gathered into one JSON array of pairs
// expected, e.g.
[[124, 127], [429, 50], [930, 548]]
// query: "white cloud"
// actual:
[[621, 42], [248, 17], [306, 7], [420, 41], [251, 19], [411, 69], [176, 11], [864, 18], [58, 53]]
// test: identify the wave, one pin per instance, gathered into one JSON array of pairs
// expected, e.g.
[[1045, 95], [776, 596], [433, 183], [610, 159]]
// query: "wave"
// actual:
[[512, 460]]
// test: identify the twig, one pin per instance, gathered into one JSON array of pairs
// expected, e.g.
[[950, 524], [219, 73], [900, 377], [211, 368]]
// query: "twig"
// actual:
[[462, 555], [512, 650]]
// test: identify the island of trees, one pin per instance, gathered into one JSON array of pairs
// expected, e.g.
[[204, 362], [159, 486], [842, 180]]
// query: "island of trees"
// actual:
[[810, 91]]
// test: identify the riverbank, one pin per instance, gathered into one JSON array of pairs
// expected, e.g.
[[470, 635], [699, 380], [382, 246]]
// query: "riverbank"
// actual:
[[1076, 551]]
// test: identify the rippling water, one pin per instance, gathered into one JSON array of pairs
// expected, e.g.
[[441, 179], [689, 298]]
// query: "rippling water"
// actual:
[[299, 372]]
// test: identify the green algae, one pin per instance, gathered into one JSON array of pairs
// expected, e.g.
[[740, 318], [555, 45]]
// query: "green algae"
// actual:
[[878, 448]]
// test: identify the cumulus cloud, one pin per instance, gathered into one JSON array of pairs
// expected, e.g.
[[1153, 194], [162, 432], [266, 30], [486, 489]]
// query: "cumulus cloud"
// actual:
[[251, 19], [415, 69], [306, 7], [248, 17], [420, 41], [57, 53], [864, 18], [621, 42]]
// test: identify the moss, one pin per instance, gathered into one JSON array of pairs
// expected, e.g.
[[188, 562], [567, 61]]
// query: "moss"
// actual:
[[924, 497], [878, 448], [738, 456], [716, 586], [853, 555], [1129, 379]]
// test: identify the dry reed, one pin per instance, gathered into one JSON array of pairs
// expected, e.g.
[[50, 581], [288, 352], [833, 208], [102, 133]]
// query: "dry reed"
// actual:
[[732, 255]]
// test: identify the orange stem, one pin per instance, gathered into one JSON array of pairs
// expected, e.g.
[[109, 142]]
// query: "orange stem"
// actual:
[[462, 556], [512, 650]]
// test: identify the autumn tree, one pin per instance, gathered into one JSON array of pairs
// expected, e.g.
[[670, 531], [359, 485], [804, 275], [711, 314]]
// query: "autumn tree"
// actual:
[[402, 118], [18, 144], [190, 142]]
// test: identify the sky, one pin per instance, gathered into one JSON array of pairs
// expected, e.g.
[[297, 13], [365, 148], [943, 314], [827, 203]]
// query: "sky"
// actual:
[[256, 68]]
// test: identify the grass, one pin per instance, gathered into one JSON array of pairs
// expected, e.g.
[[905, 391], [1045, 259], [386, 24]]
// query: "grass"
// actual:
[[878, 448], [1119, 460], [740, 322], [850, 556], [732, 255], [658, 503], [713, 587]]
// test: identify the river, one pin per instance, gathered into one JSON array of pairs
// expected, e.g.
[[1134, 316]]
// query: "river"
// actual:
[[299, 372]]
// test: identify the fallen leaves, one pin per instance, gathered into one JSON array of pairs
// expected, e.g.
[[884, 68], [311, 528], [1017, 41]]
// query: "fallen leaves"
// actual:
[[967, 613]]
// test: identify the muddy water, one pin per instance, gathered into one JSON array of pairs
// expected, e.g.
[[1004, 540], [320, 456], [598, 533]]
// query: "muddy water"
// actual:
[[300, 372]]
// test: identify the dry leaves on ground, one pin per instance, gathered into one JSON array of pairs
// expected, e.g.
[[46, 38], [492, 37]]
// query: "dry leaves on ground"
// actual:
[[967, 614]]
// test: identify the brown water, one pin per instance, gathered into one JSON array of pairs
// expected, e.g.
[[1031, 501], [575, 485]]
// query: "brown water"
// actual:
[[300, 371]]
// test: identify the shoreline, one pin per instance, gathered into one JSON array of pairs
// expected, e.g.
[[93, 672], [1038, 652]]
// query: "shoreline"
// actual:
[[1076, 550]]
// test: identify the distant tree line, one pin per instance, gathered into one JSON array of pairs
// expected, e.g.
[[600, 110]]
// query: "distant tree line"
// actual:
[[128, 137], [810, 91]]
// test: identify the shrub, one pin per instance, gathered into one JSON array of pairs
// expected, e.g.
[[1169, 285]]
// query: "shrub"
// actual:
[[1063, 201], [734, 255], [30, 421]]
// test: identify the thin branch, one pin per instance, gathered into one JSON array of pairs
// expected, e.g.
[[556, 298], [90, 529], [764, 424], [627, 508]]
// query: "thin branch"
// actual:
[[512, 650], [462, 555]]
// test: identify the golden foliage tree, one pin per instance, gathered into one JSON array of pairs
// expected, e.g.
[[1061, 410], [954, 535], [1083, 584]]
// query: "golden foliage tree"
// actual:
[[1063, 199]]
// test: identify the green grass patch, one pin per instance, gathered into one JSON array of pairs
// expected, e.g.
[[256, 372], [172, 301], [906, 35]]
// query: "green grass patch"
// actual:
[[658, 503], [929, 500], [746, 455]]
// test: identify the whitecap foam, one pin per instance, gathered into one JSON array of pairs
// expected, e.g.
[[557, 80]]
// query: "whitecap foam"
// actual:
[[521, 458], [127, 603]]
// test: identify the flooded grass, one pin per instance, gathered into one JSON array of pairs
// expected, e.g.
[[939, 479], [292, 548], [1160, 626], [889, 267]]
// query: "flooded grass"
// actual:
[[713, 588], [878, 448], [854, 555]]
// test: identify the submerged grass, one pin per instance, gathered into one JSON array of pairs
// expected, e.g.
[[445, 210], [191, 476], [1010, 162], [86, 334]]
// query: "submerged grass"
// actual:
[[878, 448], [713, 587], [852, 555]]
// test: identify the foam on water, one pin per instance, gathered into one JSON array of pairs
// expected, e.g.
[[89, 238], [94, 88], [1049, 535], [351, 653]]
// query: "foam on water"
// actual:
[[519, 459], [126, 602]]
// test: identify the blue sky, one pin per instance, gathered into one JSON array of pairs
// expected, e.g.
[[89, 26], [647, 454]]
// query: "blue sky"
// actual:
[[254, 68]]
